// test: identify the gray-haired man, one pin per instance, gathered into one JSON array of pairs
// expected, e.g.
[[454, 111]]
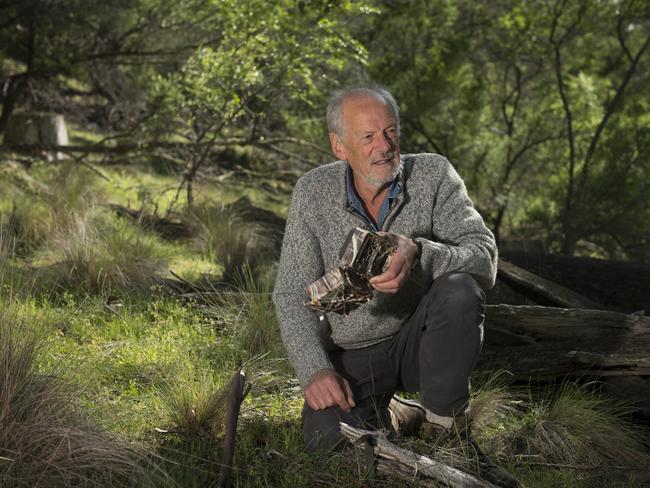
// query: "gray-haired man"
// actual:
[[423, 330]]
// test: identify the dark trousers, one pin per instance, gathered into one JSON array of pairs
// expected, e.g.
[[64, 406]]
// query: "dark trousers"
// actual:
[[434, 353]]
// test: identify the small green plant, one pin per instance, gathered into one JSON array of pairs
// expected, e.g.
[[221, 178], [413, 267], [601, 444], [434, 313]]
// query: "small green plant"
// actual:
[[195, 403]]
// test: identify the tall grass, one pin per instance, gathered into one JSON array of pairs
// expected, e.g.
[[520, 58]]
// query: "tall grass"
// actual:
[[45, 440], [73, 244], [93, 253], [13, 275], [249, 315], [225, 237], [572, 424], [68, 191]]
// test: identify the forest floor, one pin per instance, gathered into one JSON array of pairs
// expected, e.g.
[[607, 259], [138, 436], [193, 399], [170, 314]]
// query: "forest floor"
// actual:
[[143, 368]]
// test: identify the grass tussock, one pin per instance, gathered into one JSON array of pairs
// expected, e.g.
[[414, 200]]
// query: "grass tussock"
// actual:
[[571, 425], [66, 192], [579, 425], [195, 404], [91, 254], [225, 237], [493, 402], [45, 440], [249, 315]]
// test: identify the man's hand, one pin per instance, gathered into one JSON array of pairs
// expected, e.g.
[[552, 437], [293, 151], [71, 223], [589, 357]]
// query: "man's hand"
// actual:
[[327, 389], [399, 270]]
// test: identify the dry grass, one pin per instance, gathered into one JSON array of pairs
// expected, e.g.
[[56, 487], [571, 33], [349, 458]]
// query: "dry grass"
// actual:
[[44, 438]]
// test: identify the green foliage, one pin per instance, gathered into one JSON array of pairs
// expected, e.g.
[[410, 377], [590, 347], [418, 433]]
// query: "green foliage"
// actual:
[[528, 100], [266, 58]]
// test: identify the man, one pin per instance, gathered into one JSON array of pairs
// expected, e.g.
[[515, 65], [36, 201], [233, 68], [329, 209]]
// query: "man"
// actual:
[[423, 330]]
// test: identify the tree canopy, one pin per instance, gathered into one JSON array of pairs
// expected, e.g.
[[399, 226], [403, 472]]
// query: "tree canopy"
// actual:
[[541, 105]]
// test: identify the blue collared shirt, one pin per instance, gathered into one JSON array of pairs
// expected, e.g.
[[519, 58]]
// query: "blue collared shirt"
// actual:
[[355, 202]]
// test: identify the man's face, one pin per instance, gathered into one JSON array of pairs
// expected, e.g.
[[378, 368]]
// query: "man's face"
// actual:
[[370, 143]]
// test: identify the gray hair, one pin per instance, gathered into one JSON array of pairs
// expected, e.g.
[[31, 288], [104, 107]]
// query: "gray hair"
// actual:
[[335, 105]]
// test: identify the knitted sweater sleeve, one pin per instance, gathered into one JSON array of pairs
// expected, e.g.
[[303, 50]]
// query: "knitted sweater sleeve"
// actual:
[[461, 241], [301, 263]]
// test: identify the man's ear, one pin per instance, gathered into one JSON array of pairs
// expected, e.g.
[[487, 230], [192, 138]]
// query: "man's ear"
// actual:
[[338, 148]]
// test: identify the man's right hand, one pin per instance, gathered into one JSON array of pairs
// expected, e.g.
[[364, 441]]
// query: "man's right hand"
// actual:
[[327, 389]]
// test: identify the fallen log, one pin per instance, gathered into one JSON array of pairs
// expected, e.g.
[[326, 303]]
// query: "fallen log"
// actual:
[[166, 228], [623, 286], [415, 463], [236, 394], [548, 341], [557, 294]]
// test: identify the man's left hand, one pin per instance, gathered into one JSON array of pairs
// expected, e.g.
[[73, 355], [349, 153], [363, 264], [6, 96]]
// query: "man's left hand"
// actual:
[[399, 270]]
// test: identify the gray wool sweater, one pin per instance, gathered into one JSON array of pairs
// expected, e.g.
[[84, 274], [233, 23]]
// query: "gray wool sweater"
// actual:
[[432, 206]]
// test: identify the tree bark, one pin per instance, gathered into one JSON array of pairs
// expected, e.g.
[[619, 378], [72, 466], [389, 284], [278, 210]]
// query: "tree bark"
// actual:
[[534, 341], [559, 295], [415, 463]]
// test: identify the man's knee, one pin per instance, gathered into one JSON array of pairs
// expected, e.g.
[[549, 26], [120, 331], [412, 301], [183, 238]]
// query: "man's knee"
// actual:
[[459, 291]]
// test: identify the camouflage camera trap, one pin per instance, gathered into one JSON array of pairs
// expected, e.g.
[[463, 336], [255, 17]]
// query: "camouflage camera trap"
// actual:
[[364, 254]]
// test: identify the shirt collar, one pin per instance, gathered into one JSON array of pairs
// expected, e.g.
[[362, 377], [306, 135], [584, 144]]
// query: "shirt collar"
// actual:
[[353, 198]]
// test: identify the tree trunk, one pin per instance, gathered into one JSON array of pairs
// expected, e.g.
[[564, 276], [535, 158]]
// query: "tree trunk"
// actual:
[[534, 341]]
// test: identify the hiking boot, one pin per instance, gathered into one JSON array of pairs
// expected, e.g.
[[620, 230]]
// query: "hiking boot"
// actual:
[[406, 416]]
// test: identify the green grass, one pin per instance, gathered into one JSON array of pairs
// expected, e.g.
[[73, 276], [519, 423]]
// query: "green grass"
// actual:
[[248, 315], [45, 437]]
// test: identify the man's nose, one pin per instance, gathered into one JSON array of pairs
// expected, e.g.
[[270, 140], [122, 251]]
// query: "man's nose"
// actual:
[[387, 144]]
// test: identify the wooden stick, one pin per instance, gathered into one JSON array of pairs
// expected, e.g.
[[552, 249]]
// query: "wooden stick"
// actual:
[[442, 473], [236, 396]]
